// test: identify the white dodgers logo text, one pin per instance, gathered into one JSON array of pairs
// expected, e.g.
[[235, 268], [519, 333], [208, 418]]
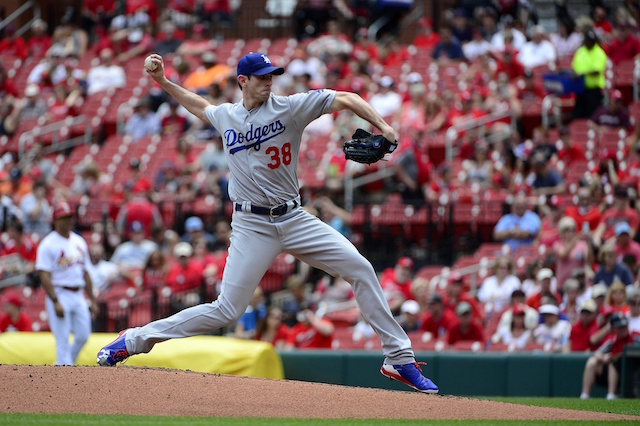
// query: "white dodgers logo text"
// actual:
[[252, 138]]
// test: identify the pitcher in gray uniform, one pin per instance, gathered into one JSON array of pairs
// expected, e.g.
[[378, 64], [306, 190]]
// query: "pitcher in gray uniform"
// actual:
[[262, 135]]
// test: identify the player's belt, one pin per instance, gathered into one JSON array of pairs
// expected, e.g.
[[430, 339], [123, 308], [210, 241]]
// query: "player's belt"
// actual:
[[68, 288], [271, 211]]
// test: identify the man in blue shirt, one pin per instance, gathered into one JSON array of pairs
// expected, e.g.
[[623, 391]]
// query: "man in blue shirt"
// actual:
[[547, 181], [448, 47], [519, 227]]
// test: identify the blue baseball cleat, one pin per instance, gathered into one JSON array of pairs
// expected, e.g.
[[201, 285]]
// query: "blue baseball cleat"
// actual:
[[114, 352], [410, 375]]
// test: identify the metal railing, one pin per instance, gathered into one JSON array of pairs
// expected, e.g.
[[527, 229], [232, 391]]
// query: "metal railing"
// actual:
[[453, 131], [19, 11], [56, 129]]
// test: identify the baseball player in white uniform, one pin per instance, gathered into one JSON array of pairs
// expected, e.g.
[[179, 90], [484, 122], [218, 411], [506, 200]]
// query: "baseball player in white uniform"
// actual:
[[61, 262], [262, 135]]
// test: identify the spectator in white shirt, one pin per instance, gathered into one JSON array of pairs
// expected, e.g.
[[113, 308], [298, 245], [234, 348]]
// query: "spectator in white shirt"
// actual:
[[495, 291], [133, 254], [387, 102], [101, 271], [538, 51], [143, 122], [476, 47], [566, 40], [106, 75], [553, 331], [50, 70], [518, 39]]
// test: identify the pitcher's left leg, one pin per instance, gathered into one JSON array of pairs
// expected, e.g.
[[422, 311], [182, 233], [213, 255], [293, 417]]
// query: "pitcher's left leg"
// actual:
[[322, 247]]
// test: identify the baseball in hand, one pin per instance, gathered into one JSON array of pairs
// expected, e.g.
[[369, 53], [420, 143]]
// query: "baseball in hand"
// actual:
[[149, 64]]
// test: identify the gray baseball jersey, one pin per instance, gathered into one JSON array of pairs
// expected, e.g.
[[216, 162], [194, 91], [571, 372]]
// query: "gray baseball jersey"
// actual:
[[262, 145]]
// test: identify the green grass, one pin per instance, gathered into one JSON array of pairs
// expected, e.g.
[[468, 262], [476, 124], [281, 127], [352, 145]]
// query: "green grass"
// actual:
[[621, 406], [618, 406]]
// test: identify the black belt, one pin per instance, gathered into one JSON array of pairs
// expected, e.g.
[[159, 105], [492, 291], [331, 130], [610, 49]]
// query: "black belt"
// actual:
[[270, 211], [69, 288]]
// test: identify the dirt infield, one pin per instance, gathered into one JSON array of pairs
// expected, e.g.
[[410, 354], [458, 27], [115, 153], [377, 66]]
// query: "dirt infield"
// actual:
[[141, 391]]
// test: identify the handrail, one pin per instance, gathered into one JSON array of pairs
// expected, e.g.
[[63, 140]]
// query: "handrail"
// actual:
[[636, 77], [54, 128], [453, 131], [19, 11]]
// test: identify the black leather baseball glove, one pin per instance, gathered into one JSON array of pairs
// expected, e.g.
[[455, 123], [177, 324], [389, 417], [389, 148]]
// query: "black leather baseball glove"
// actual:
[[367, 148]]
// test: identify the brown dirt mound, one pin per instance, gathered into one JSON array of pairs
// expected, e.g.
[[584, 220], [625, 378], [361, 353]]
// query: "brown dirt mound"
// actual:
[[142, 391]]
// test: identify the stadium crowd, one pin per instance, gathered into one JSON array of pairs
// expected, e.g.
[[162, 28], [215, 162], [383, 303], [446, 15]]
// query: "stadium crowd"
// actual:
[[571, 186]]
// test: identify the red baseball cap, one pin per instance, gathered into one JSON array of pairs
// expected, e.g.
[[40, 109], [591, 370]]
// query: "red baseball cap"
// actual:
[[61, 210], [518, 309], [405, 262], [13, 298]]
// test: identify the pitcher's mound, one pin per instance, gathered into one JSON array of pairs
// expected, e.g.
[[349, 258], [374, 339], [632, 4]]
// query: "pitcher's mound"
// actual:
[[142, 391]]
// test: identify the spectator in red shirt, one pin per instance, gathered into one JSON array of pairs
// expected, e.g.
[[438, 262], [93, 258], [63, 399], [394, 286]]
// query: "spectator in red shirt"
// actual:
[[12, 44], [20, 244], [271, 329], [528, 90], [456, 294], [426, 37], [174, 123], [438, 319], [625, 46], [396, 282], [311, 332], [543, 277], [601, 23], [582, 330], [604, 366], [13, 319], [97, 12], [621, 211], [40, 41], [465, 328], [138, 209], [585, 212], [186, 273], [509, 64], [570, 151], [7, 86]]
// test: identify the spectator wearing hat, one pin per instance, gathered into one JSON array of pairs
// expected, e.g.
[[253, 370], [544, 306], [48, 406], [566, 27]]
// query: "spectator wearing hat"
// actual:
[[13, 318], [455, 294], [572, 251], [387, 101], [425, 36], [186, 273], [538, 51], [598, 294], [589, 61], [132, 255], [518, 228], [13, 44], [51, 71], [516, 333], [586, 211], [194, 229], [553, 331], [396, 282], [625, 46], [410, 316], [531, 316], [105, 76], [610, 269], [448, 48], [34, 106], [208, 73], [612, 115], [547, 181], [465, 328], [143, 122], [621, 211], [583, 329], [633, 300], [604, 366], [570, 152], [438, 319], [543, 278], [496, 290], [624, 245], [39, 42]]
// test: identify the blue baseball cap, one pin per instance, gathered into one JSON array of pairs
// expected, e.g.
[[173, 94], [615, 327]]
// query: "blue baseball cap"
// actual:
[[194, 223], [257, 64], [622, 228]]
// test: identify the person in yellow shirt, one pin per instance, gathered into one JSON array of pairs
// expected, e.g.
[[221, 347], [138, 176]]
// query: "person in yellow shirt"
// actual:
[[589, 61], [210, 72]]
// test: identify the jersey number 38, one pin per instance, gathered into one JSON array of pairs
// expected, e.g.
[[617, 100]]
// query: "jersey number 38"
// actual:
[[278, 158]]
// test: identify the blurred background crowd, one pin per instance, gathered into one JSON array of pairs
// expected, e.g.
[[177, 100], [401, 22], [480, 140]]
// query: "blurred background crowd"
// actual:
[[507, 219]]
